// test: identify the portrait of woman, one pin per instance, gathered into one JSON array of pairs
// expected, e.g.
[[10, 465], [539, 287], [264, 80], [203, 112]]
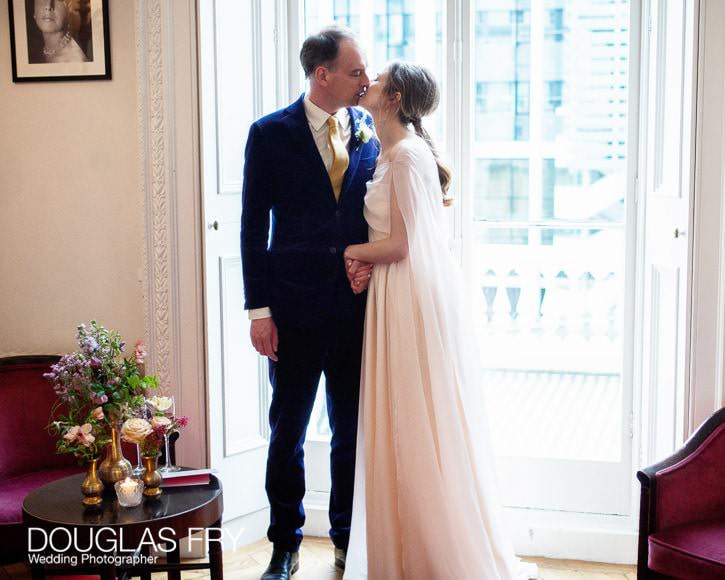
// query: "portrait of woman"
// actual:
[[59, 31]]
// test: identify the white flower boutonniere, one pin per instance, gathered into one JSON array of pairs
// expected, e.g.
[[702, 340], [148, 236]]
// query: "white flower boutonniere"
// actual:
[[364, 130]]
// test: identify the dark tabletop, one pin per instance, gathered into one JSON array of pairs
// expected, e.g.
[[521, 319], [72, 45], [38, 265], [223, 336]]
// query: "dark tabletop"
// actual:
[[59, 504]]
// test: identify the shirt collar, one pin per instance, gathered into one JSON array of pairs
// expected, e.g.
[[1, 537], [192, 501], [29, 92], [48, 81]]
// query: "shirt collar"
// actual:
[[317, 117]]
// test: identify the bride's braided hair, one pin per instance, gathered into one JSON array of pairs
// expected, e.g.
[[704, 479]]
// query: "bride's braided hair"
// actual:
[[419, 97]]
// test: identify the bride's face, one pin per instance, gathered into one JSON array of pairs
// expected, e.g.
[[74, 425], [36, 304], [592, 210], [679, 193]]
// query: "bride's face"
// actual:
[[376, 99]]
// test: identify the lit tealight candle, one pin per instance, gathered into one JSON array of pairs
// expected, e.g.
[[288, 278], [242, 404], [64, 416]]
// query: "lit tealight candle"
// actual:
[[129, 492]]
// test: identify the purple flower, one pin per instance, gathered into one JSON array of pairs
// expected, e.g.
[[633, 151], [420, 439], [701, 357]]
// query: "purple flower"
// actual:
[[96, 363], [99, 398], [89, 345]]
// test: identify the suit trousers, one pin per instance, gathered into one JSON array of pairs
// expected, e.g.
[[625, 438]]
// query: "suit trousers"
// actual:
[[334, 349]]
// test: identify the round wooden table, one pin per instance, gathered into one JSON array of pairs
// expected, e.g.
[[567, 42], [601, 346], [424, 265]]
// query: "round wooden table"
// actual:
[[115, 541]]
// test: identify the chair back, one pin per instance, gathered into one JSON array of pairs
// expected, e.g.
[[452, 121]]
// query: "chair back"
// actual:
[[694, 488], [26, 400]]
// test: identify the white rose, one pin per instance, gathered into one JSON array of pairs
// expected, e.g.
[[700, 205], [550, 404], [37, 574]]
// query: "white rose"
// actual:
[[160, 421], [157, 403], [135, 430]]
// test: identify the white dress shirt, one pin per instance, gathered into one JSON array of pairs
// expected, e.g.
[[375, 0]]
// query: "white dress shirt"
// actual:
[[317, 120]]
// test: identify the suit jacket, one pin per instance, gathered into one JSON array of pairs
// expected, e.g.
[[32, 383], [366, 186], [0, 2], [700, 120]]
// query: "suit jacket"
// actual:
[[297, 268]]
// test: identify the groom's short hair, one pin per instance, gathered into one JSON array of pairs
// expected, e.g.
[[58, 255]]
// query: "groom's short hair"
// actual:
[[321, 49]]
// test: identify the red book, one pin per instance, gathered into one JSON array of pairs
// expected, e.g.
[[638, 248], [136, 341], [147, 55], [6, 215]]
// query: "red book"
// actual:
[[186, 476]]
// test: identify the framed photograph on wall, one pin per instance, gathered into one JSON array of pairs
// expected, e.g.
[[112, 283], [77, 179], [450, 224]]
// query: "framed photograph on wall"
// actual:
[[59, 40]]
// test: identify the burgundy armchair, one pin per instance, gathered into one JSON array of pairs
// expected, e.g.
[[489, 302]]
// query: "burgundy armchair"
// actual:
[[682, 509], [27, 453]]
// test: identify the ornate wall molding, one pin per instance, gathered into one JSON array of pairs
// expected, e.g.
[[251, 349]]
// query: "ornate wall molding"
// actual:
[[154, 170], [170, 169]]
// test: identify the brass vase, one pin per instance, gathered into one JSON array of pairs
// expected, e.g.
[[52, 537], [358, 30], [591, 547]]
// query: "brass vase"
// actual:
[[115, 466], [92, 487], [151, 477]]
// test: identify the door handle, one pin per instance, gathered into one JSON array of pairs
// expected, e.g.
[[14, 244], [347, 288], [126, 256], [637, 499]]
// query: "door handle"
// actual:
[[680, 233], [215, 226]]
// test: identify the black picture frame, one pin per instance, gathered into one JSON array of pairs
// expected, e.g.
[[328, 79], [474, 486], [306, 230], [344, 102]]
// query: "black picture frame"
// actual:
[[77, 32]]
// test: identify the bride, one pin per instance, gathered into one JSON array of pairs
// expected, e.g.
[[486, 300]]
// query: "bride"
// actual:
[[425, 504]]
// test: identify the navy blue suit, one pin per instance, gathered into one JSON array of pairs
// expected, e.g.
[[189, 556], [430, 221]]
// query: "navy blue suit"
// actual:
[[297, 270]]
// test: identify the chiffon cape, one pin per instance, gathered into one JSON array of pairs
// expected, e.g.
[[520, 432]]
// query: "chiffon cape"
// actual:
[[426, 504]]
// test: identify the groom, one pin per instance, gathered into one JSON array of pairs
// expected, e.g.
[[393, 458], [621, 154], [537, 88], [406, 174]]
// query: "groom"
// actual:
[[307, 164]]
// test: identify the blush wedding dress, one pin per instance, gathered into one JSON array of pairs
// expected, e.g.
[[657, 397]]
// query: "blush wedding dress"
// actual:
[[425, 505]]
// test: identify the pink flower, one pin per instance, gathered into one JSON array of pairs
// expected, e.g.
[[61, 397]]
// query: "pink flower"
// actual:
[[99, 398], [98, 413], [81, 434], [139, 352], [85, 437], [182, 421], [72, 433]]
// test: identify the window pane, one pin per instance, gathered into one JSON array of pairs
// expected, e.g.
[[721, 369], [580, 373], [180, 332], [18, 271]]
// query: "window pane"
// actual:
[[502, 40], [554, 292], [586, 48], [582, 191], [502, 189]]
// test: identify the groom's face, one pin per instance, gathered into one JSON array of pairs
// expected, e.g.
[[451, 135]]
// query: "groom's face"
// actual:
[[347, 79]]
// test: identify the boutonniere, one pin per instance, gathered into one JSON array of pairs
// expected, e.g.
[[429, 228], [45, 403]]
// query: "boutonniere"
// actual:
[[364, 129]]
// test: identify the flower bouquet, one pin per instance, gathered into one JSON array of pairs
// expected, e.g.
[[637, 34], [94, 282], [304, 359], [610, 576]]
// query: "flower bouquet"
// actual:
[[150, 435], [96, 387]]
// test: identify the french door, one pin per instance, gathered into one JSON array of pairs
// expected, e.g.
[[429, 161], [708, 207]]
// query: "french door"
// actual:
[[549, 221], [544, 225], [236, 53]]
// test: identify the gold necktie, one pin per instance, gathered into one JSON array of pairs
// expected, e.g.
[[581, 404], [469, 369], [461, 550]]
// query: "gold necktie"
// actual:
[[340, 158]]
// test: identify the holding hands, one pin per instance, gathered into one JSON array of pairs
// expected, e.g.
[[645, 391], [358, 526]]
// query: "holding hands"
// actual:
[[263, 331], [358, 274]]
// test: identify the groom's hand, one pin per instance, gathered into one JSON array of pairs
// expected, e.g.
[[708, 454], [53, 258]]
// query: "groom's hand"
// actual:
[[265, 339]]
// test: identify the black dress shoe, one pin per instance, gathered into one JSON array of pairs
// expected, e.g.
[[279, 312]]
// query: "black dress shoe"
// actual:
[[282, 565], [340, 557]]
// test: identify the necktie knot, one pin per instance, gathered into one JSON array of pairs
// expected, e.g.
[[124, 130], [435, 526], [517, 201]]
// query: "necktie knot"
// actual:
[[332, 124]]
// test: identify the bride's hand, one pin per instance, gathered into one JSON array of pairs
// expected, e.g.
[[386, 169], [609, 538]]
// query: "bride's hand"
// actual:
[[358, 274]]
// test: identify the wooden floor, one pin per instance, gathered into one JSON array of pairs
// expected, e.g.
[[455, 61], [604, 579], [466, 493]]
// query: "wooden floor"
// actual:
[[316, 563]]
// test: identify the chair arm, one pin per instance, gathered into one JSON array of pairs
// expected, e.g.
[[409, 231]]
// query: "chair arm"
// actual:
[[656, 484]]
